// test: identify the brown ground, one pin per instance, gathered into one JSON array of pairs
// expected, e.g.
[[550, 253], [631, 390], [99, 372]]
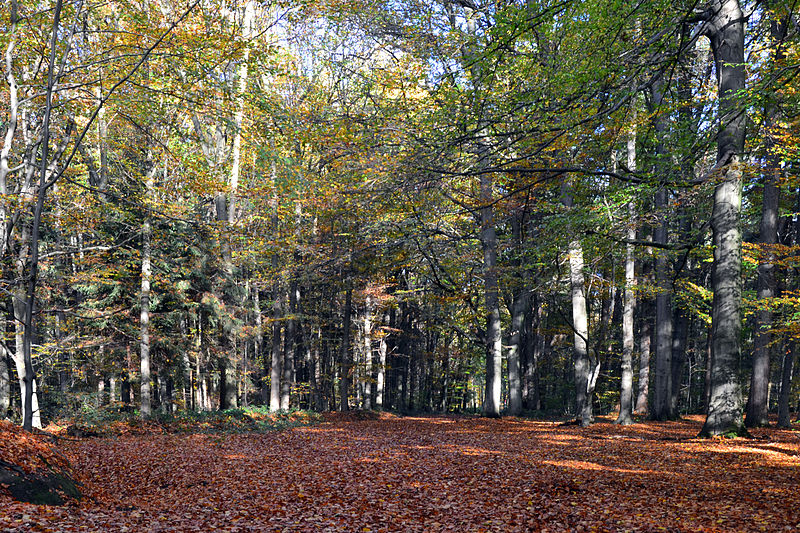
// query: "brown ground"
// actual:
[[430, 474]]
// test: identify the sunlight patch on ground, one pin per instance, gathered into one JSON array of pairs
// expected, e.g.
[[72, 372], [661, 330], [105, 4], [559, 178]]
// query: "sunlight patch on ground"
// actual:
[[781, 456], [586, 465]]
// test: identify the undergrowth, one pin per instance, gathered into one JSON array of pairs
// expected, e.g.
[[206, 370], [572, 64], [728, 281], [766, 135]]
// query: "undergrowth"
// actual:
[[118, 419]]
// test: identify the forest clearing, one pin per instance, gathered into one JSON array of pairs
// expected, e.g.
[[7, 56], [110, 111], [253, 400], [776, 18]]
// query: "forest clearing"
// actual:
[[389, 473]]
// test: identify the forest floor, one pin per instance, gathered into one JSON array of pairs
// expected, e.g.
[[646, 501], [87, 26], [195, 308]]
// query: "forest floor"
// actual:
[[460, 474]]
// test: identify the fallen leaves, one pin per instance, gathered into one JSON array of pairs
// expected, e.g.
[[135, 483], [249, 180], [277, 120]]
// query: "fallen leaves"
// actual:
[[430, 474], [28, 451]]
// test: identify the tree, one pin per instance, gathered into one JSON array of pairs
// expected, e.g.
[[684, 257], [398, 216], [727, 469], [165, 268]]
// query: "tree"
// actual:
[[725, 29]]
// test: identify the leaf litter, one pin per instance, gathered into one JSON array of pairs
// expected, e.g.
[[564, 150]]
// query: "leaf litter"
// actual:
[[385, 473]]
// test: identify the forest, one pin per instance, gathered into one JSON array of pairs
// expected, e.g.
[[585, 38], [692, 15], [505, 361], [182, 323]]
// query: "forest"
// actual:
[[525, 210]]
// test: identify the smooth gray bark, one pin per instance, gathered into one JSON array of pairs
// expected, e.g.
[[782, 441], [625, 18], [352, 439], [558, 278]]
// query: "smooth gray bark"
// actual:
[[238, 116], [680, 339], [344, 354], [289, 349], [726, 31], [277, 355], [494, 346], [368, 310], [662, 383], [757, 414], [757, 404], [521, 302], [645, 342], [580, 325], [784, 412], [380, 379], [144, 303], [5, 383], [629, 306], [519, 306]]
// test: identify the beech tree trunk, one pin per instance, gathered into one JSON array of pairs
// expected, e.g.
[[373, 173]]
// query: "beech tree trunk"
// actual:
[[757, 415], [144, 323], [757, 405], [784, 411], [368, 353], [289, 349], [241, 88], [277, 356], [344, 354], [5, 383], [514, 375], [645, 341], [145, 399], [580, 325], [629, 305], [726, 31], [380, 378], [680, 338], [519, 307], [494, 346], [662, 384]]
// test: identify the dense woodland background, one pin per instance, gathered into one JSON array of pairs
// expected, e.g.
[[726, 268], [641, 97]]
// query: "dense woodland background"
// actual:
[[504, 206]]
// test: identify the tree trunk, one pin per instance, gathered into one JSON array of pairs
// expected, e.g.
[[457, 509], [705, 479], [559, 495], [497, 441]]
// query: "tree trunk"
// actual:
[[380, 378], [289, 350], [277, 356], [494, 346], [680, 338], [662, 384], [580, 326], [583, 409], [30, 408], [344, 355], [5, 381], [645, 341], [514, 378], [784, 413], [144, 297], [726, 31], [247, 23], [368, 309], [757, 405], [629, 305]]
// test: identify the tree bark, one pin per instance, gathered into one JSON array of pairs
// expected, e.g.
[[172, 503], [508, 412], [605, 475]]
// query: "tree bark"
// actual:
[[380, 378], [241, 88], [514, 376], [368, 310], [645, 341], [757, 405], [289, 350], [277, 356], [784, 412], [344, 355], [726, 31], [680, 338], [662, 384], [580, 325], [757, 415], [629, 306], [145, 399], [5, 383], [494, 347]]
